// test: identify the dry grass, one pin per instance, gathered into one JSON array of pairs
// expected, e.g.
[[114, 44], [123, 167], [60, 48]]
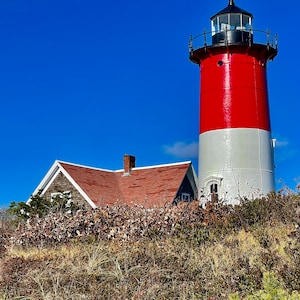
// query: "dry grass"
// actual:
[[182, 253]]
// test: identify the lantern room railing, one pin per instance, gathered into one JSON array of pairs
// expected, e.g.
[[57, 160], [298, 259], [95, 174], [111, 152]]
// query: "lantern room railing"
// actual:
[[255, 37]]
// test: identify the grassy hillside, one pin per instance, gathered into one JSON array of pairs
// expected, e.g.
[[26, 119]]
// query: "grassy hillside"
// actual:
[[183, 252]]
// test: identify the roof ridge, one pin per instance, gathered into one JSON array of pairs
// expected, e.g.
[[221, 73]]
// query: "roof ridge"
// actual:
[[159, 166], [119, 170]]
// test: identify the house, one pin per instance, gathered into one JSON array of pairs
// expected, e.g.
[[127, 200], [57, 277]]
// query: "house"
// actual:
[[146, 186]]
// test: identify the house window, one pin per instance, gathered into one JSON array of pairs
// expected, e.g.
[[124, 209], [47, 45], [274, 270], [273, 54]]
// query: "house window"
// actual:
[[186, 197], [62, 195]]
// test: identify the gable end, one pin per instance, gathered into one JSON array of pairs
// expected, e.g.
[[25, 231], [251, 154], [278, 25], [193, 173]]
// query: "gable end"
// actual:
[[62, 184]]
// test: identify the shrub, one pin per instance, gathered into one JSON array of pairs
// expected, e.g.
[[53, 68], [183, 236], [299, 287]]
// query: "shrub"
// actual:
[[39, 206], [271, 209], [272, 290], [129, 252]]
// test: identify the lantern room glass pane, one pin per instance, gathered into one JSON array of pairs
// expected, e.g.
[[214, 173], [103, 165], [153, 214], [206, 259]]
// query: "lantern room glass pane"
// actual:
[[224, 22], [246, 22], [235, 22], [214, 26]]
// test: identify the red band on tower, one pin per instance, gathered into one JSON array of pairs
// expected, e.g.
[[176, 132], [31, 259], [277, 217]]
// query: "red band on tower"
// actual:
[[233, 92]]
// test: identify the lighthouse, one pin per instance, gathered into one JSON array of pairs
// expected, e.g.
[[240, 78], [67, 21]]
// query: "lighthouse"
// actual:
[[236, 149]]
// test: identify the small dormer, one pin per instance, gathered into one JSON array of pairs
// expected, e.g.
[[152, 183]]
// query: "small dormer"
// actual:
[[232, 25]]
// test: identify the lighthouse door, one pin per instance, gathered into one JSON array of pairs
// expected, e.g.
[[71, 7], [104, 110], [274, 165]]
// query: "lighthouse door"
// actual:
[[212, 189], [214, 192]]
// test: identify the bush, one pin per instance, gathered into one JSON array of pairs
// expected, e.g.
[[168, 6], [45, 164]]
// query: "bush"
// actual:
[[40, 206], [271, 209], [172, 252], [272, 290]]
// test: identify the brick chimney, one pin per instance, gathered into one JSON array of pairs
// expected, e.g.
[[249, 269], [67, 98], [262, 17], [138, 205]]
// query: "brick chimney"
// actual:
[[129, 163]]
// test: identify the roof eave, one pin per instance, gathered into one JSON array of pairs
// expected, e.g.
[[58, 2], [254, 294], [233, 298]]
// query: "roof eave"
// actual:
[[47, 180]]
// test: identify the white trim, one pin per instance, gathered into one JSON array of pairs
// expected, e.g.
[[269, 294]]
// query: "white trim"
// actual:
[[195, 177], [213, 180], [205, 195], [48, 178]]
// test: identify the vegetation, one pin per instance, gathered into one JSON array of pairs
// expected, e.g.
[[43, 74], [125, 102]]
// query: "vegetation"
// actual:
[[251, 251], [272, 289], [40, 206]]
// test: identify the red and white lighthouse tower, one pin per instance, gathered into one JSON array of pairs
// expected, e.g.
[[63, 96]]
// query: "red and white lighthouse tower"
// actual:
[[235, 143]]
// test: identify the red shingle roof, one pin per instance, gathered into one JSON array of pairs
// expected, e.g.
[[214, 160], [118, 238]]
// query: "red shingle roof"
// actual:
[[148, 186]]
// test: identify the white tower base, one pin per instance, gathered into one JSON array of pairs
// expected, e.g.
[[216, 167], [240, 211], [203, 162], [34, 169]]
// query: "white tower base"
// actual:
[[235, 163]]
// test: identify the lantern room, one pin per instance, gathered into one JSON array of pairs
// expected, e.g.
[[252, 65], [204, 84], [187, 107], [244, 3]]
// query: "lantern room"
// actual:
[[232, 25]]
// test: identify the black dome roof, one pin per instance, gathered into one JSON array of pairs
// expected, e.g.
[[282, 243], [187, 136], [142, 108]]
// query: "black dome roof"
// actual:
[[231, 8]]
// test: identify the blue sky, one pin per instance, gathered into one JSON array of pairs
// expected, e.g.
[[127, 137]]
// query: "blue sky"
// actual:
[[87, 81]]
